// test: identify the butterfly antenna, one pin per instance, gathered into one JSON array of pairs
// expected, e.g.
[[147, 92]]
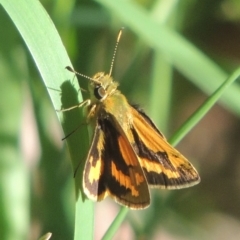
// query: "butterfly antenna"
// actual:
[[115, 50], [80, 74]]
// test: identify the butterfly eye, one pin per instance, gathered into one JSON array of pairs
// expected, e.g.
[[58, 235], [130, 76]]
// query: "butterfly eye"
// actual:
[[99, 92]]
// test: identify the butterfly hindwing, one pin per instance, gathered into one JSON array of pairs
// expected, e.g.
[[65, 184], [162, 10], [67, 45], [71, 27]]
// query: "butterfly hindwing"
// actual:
[[163, 165], [112, 168]]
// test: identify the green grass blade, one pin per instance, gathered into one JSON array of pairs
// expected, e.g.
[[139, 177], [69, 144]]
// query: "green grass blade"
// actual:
[[49, 54], [159, 111], [116, 223], [162, 71], [202, 110]]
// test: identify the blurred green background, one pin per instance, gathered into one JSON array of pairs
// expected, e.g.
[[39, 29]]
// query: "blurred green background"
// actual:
[[36, 177]]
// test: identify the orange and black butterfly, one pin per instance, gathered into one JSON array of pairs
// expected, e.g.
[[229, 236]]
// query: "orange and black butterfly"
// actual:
[[128, 154]]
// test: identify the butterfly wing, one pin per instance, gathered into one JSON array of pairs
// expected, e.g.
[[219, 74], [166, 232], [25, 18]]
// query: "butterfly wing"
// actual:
[[112, 168], [163, 165]]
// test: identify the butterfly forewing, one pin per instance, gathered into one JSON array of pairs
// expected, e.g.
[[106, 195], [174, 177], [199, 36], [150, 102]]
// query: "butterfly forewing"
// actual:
[[113, 168]]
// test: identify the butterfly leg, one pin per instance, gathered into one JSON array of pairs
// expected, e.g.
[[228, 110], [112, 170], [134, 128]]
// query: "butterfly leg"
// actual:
[[86, 103]]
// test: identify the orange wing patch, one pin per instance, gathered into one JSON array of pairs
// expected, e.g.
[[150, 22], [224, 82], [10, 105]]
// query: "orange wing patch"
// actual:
[[163, 165]]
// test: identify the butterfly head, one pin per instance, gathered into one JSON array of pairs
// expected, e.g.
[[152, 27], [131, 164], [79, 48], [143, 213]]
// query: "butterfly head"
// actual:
[[101, 86]]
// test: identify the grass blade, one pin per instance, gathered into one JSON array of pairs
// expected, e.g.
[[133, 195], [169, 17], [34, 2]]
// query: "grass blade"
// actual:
[[49, 54]]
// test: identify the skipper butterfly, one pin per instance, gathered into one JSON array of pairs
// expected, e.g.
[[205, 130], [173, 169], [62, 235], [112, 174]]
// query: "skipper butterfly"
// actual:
[[128, 154]]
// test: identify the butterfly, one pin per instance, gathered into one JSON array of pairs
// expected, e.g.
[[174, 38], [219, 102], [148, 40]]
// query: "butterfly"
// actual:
[[128, 154]]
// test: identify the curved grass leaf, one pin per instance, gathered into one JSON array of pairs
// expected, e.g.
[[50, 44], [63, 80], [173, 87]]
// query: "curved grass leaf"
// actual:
[[49, 54]]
